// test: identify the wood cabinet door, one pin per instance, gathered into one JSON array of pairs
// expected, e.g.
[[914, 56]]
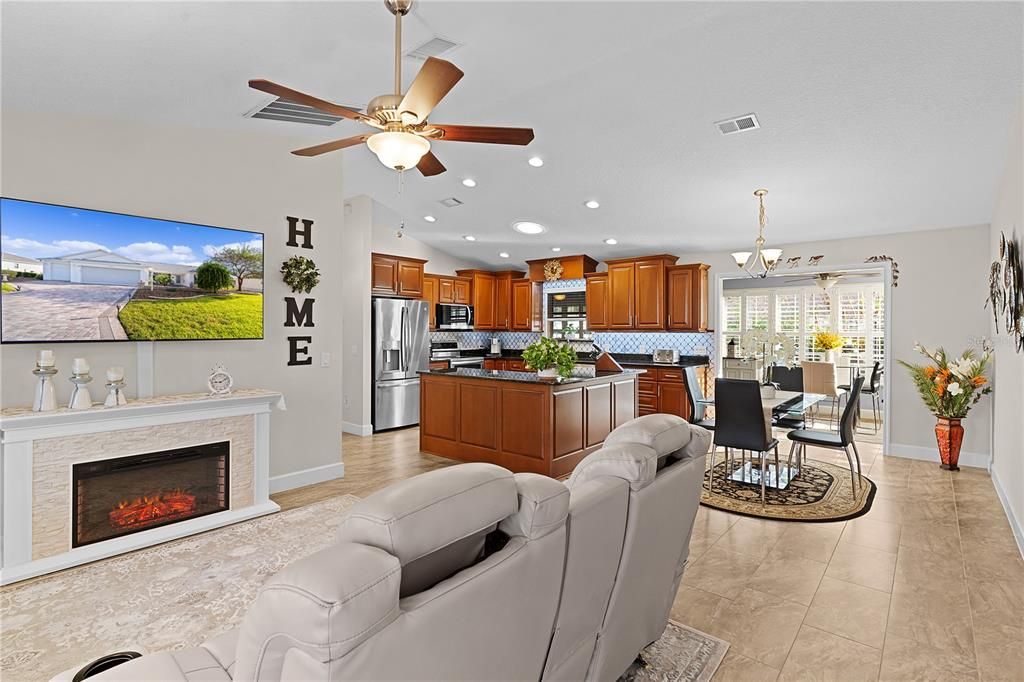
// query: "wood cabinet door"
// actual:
[[597, 302], [446, 290], [526, 312], [681, 315], [410, 279], [649, 285], [672, 399], [515, 365], [621, 295], [430, 296], [483, 302], [503, 303], [384, 275], [492, 364], [461, 289]]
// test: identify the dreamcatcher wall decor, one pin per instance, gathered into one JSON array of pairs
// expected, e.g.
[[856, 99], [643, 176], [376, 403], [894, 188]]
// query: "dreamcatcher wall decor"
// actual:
[[1006, 290]]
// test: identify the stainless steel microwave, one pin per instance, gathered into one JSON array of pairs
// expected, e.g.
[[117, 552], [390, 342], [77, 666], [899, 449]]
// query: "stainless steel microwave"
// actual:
[[454, 316]]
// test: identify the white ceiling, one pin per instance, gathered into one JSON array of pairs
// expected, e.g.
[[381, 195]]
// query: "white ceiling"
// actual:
[[877, 117]]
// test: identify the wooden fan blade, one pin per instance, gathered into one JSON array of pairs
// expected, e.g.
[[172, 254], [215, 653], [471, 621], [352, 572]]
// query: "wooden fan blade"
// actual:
[[316, 150], [429, 165], [432, 83], [302, 98], [453, 133]]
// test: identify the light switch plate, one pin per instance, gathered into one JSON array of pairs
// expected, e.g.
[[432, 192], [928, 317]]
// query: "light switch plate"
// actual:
[[325, 359]]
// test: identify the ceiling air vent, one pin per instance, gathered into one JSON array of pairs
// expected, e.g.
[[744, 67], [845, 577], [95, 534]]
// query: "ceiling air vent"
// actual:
[[738, 125], [451, 202], [435, 47], [283, 110]]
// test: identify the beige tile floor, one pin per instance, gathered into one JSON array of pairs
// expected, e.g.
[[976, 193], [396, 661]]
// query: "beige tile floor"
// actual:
[[928, 585]]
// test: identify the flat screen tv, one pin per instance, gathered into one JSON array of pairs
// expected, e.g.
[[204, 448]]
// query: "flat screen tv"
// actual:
[[74, 274]]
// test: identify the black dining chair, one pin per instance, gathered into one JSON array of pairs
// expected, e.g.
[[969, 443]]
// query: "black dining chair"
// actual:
[[695, 395], [788, 378], [843, 440], [873, 389], [740, 424]]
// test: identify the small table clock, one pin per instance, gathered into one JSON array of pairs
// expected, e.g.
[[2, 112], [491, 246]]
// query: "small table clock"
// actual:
[[220, 381]]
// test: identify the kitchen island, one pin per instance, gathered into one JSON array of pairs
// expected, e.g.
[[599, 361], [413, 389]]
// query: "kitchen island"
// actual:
[[520, 421]]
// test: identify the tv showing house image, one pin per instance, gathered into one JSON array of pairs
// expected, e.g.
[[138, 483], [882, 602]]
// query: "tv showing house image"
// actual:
[[74, 274]]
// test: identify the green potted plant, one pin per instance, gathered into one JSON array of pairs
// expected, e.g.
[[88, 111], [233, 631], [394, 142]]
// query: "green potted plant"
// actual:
[[950, 387], [550, 358]]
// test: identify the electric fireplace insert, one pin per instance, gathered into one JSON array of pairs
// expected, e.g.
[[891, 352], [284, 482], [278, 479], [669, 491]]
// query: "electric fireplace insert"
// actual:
[[116, 497]]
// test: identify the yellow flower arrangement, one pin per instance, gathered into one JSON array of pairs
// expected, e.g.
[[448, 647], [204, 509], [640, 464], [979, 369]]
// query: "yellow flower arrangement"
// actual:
[[828, 341]]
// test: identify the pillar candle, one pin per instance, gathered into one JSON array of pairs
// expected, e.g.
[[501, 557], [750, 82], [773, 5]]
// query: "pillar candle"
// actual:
[[44, 358], [79, 366]]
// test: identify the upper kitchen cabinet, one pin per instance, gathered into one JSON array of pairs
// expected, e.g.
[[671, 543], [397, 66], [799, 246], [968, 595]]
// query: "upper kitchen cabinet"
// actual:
[[462, 290], [527, 303], [597, 301], [636, 292], [688, 297], [491, 297], [396, 275], [430, 295]]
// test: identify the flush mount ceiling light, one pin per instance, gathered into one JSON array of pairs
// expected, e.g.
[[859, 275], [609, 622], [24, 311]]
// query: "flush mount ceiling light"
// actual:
[[611, 241], [536, 161], [527, 227], [469, 182], [469, 238], [503, 254], [430, 218], [592, 204], [763, 260], [556, 249]]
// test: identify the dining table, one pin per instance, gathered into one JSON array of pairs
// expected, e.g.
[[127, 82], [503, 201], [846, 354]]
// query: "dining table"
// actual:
[[792, 405]]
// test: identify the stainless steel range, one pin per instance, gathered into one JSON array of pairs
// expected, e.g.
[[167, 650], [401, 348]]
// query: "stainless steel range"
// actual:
[[448, 351]]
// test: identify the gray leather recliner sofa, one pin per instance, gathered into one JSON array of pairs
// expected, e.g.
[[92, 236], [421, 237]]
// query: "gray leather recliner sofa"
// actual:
[[471, 572]]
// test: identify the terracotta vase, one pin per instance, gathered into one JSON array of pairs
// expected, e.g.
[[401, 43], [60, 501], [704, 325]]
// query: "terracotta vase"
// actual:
[[950, 435]]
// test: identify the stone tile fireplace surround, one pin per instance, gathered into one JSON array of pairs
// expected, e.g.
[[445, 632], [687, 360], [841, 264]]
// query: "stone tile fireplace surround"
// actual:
[[39, 451]]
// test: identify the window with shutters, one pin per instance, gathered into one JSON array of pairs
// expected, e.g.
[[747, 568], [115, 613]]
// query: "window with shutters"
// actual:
[[856, 311]]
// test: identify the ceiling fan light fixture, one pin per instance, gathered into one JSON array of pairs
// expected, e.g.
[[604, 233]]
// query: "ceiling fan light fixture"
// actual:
[[398, 150], [825, 283]]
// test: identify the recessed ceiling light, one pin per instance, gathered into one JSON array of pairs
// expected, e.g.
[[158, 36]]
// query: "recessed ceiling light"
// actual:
[[611, 241], [430, 218], [592, 204], [469, 238], [503, 254], [527, 227], [536, 161], [556, 248], [469, 182]]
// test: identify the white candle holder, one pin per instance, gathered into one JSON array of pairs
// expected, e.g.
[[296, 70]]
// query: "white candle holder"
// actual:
[[80, 398], [115, 395], [45, 398]]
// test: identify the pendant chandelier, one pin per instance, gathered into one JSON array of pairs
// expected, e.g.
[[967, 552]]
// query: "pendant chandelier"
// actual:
[[761, 261]]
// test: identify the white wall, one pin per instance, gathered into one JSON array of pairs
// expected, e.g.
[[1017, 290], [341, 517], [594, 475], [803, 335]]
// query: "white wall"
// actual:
[[938, 302], [372, 227], [1008, 394], [210, 177]]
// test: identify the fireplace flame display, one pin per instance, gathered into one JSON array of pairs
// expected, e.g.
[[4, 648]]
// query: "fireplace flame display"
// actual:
[[149, 509]]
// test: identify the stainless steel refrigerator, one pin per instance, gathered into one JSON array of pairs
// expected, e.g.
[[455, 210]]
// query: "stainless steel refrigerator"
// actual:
[[401, 348]]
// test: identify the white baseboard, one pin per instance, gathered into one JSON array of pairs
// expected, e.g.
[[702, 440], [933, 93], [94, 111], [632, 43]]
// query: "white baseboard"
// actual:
[[1015, 523], [298, 479], [357, 429], [967, 459]]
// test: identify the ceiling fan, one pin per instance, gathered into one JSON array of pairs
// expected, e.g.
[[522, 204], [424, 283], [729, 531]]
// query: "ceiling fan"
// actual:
[[827, 280], [404, 136]]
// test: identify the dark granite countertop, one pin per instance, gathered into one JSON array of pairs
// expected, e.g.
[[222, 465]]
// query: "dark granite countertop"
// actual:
[[581, 373], [621, 358]]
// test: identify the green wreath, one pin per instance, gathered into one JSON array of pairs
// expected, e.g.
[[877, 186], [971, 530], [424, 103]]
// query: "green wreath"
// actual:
[[300, 274]]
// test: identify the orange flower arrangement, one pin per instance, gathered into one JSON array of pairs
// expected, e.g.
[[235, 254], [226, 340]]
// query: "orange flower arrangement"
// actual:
[[951, 386]]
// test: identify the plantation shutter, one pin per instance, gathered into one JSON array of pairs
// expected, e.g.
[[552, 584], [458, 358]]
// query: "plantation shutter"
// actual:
[[733, 318], [787, 317], [756, 312], [817, 318]]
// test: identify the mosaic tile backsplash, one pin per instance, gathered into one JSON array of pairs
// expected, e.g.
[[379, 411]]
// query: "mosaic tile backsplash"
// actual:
[[644, 343]]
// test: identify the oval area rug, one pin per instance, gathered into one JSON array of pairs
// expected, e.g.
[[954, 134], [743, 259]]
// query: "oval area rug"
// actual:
[[821, 493]]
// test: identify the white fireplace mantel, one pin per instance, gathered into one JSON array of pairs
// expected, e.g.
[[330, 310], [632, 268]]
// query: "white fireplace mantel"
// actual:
[[21, 429]]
